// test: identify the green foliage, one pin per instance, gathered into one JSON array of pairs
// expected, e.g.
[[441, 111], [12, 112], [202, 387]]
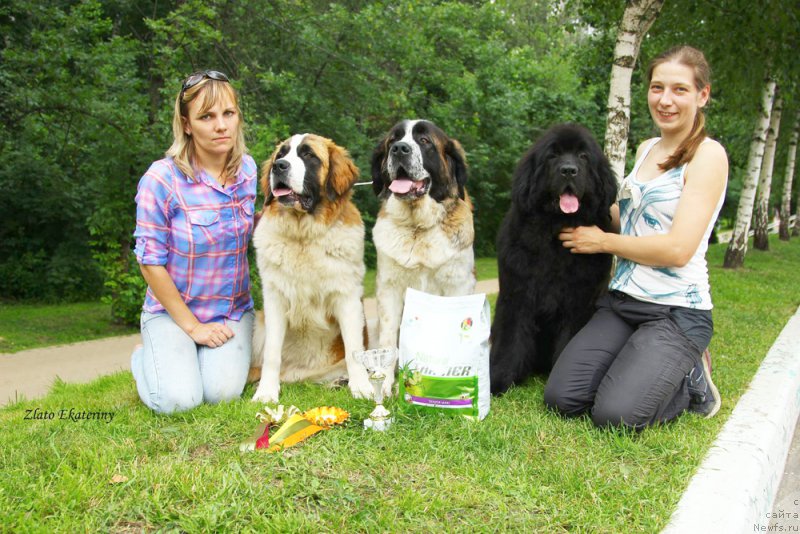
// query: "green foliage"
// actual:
[[125, 287], [90, 83], [73, 111], [88, 89]]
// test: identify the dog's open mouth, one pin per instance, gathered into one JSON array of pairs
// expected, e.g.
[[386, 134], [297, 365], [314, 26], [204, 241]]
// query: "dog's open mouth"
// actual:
[[287, 197], [404, 186], [568, 202]]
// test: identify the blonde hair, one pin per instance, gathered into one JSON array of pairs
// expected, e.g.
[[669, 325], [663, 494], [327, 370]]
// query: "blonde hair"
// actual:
[[182, 150], [694, 59]]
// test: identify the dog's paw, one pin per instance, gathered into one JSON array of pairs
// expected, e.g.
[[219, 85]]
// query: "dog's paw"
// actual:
[[360, 387], [267, 394]]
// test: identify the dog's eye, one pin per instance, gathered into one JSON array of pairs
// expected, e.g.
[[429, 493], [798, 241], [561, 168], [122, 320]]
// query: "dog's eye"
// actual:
[[424, 141], [307, 155], [583, 156]]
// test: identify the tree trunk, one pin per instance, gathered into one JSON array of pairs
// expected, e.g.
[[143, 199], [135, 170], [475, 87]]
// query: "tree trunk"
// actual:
[[639, 15], [786, 199], [737, 247], [762, 207], [796, 229]]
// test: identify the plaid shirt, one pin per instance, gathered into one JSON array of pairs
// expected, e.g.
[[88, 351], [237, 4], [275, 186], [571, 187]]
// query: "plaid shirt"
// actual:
[[199, 231]]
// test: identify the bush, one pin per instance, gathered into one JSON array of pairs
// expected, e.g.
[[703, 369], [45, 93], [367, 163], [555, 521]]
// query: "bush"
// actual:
[[69, 274], [124, 285]]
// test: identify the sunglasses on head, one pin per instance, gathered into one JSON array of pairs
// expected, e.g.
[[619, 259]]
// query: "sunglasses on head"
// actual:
[[198, 77]]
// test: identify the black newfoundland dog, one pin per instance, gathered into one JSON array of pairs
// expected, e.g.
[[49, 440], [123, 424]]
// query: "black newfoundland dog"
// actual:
[[547, 293]]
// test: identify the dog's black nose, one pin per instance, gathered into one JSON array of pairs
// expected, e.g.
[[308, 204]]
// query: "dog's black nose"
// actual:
[[401, 149], [282, 165], [568, 170]]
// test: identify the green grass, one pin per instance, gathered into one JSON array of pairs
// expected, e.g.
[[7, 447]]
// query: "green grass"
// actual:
[[27, 326], [521, 469]]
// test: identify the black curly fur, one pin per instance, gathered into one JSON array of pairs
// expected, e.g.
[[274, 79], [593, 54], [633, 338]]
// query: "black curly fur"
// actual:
[[547, 293]]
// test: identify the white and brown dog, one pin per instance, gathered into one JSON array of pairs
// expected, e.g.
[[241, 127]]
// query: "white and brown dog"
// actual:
[[309, 247], [423, 233]]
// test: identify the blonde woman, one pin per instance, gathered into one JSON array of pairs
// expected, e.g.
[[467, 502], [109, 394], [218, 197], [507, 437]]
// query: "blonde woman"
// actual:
[[194, 219], [641, 360]]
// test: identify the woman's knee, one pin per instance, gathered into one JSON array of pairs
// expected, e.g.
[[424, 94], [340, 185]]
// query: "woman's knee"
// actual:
[[224, 378], [558, 399], [221, 392], [620, 412], [177, 398]]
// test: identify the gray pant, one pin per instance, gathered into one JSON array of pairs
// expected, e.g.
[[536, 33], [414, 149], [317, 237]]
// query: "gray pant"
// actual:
[[628, 365]]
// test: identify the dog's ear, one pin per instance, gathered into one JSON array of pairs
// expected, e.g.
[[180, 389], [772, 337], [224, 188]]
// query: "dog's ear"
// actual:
[[266, 168], [342, 172], [524, 181], [457, 162], [380, 179]]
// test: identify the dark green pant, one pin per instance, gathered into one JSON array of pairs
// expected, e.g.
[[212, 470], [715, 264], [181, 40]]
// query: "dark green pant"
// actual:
[[628, 365]]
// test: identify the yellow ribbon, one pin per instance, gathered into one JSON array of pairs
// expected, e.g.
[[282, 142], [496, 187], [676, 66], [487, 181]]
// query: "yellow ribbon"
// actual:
[[299, 426]]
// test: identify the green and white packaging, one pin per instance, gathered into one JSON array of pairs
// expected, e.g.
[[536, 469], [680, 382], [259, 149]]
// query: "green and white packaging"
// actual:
[[444, 354]]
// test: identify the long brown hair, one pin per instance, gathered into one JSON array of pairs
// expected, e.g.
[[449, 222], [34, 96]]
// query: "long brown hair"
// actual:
[[182, 150], [694, 59]]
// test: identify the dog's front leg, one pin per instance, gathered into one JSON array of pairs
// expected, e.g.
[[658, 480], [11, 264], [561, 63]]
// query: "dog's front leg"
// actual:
[[275, 324], [350, 315], [390, 312]]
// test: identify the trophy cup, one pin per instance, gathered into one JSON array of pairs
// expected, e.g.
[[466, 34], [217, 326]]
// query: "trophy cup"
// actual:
[[377, 362]]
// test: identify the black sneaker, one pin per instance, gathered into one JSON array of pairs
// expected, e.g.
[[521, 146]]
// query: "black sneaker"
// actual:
[[704, 396]]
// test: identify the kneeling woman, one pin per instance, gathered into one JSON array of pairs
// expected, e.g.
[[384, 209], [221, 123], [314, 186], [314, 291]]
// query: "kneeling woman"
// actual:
[[194, 219], [640, 359]]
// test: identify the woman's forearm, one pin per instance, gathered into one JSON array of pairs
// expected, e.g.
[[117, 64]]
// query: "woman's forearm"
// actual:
[[656, 250], [163, 287]]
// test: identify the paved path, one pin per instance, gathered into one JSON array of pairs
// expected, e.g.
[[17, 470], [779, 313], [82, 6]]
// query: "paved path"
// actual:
[[785, 516], [31, 373]]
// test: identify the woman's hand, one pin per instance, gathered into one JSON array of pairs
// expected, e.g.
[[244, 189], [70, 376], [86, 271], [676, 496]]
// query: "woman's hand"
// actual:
[[210, 334], [583, 239]]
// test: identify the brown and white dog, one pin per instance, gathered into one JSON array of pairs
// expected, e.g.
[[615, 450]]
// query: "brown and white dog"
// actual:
[[309, 247], [423, 233]]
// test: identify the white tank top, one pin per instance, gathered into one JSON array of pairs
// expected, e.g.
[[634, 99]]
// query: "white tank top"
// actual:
[[647, 208]]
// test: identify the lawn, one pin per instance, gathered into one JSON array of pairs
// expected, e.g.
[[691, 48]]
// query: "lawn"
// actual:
[[27, 326], [521, 469]]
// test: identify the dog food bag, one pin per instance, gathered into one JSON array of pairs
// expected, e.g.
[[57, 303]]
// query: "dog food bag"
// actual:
[[444, 354]]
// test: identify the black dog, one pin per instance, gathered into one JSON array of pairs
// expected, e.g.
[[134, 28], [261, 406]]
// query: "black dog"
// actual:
[[546, 292]]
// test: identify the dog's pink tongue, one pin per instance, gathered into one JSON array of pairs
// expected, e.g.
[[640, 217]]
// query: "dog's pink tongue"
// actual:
[[401, 186], [568, 203], [281, 191]]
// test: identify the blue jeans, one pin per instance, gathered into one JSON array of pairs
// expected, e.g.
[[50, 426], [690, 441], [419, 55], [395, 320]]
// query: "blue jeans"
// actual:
[[173, 373]]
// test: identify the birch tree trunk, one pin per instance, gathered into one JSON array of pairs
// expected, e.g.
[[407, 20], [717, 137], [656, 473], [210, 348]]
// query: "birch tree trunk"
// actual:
[[786, 199], [737, 247], [796, 229], [639, 15], [761, 215]]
